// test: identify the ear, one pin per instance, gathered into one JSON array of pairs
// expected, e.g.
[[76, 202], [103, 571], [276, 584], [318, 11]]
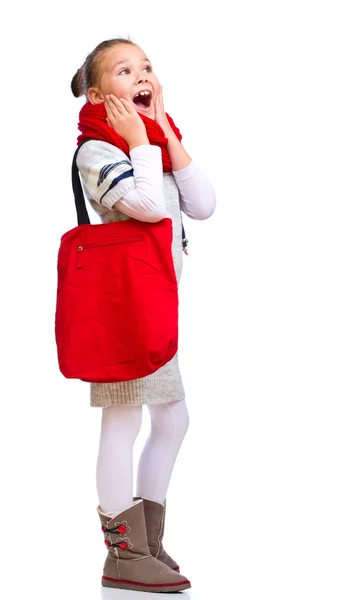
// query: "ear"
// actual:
[[95, 96]]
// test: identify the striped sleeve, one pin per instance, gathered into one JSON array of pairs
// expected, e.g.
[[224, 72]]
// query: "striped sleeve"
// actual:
[[107, 171]]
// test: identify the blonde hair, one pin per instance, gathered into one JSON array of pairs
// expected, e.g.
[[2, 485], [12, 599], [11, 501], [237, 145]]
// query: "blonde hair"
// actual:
[[88, 74]]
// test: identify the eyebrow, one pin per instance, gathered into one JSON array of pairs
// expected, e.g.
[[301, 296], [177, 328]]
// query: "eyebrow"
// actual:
[[121, 62]]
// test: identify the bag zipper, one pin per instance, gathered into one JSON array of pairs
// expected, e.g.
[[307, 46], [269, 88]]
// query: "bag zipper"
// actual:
[[91, 245], [109, 243]]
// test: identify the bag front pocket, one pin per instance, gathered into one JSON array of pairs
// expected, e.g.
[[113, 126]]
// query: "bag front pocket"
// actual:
[[104, 244]]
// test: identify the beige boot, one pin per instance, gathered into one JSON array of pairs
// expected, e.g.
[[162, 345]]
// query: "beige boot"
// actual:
[[129, 564], [155, 514]]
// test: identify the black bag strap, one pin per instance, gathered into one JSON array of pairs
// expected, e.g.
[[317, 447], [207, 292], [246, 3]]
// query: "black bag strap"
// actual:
[[82, 213]]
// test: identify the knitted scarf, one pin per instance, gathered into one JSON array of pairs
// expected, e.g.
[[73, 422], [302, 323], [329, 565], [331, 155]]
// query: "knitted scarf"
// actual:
[[93, 125]]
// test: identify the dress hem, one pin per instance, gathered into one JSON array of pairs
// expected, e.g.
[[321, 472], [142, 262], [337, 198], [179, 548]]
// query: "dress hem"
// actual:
[[143, 403]]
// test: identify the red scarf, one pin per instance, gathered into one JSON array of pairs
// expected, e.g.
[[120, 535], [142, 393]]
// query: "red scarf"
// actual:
[[93, 125]]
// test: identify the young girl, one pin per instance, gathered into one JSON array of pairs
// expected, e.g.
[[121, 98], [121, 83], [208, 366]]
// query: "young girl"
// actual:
[[136, 167]]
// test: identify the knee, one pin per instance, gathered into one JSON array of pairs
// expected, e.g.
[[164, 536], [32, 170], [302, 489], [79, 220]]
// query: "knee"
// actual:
[[184, 421], [170, 420], [122, 421]]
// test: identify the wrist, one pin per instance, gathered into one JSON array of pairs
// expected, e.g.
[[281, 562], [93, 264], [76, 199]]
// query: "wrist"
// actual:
[[170, 135], [178, 155], [143, 140]]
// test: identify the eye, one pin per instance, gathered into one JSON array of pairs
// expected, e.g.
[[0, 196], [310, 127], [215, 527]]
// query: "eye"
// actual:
[[123, 71], [148, 67]]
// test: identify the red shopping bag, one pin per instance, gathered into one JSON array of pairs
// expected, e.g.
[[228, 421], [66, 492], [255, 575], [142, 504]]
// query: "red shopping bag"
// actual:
[[117, 298]]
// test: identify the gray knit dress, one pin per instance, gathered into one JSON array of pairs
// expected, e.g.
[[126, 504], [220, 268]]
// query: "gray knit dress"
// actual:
[[165, 385]]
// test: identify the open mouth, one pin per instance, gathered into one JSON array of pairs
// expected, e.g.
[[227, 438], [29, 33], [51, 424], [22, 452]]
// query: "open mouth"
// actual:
[[143, 99]]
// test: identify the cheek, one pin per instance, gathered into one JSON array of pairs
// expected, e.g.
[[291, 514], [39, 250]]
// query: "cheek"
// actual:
[[155, 84], [117, 86]]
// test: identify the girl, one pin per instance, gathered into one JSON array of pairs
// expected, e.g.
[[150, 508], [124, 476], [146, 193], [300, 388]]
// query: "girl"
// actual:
[[136, 167]]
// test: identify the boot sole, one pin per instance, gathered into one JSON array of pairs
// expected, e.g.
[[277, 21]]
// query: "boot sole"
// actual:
[[145, 587]]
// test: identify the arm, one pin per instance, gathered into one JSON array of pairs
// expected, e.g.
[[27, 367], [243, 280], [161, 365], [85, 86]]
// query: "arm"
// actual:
[[147, 201], [177, 153], [132, 185], [197, 195]]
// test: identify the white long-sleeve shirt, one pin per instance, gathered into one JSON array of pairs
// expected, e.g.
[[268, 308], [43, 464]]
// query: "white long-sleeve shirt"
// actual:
[[134, 186]]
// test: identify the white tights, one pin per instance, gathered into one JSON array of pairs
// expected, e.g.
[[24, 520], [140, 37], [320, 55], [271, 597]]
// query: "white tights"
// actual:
[[121, 424]]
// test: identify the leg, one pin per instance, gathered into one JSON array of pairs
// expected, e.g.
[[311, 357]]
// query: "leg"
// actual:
[[169, 424], [121, 424], [122, 520]]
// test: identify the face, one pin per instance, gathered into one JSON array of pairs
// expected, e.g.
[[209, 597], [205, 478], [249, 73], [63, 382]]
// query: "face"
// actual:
[[125, 71]]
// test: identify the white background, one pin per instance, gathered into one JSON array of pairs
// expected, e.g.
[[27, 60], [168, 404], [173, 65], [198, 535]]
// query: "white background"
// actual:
[[254, 501]]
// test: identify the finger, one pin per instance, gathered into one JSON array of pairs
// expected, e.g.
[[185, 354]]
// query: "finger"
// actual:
[[157, 99], [160, 105], [156, 105], [157, 87], [110, 99], [110, 108], [111, 120], [161, 97], [117, 103], [126, 105]]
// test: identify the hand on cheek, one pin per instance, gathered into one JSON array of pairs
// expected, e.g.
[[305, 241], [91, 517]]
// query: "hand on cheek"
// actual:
[[156, 86]]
